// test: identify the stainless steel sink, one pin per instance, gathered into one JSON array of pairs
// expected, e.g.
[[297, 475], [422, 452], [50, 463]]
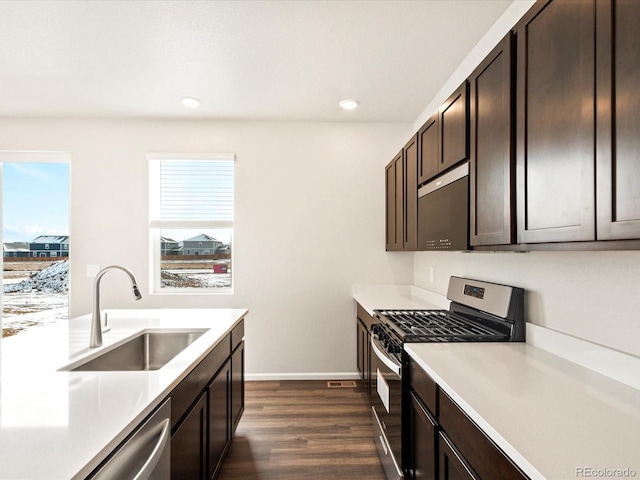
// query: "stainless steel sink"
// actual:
[[145, 351]]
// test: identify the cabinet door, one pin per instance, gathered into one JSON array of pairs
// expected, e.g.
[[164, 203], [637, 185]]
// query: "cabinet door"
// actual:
[[423, 440], [390, 204], [555, 122], [219, 418], [492, 155], [451, 465], [428, 150], [454, 128], [237, 386], [399, 191], [618, 139], [189, 443], [361, 337], [410, 230], [395, 203]]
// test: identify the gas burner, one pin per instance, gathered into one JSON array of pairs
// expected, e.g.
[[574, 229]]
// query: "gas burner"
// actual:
[[479, 312]]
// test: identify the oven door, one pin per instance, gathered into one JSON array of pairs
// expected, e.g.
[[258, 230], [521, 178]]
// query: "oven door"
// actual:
[[387, 408]]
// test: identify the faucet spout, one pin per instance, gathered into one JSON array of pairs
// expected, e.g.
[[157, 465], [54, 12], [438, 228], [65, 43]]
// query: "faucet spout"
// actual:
[[96, 326]]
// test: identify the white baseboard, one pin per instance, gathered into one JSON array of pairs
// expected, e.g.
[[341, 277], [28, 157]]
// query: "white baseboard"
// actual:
[[302, 376]]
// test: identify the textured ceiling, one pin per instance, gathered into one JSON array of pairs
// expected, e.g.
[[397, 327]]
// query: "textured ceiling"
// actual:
[[282, 60]]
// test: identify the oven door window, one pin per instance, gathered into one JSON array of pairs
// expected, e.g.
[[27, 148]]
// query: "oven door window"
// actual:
[[382, 388]]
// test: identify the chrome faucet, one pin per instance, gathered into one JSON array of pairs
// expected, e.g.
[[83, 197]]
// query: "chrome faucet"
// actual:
[[96, 327]]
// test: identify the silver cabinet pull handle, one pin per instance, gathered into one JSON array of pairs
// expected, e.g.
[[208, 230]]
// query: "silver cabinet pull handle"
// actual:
[[148, 467]]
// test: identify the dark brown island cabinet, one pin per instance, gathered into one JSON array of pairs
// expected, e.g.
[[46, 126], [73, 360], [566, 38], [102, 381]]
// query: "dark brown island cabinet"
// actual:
[[443, 442], [402, 199], [578, 160], [205, 410]]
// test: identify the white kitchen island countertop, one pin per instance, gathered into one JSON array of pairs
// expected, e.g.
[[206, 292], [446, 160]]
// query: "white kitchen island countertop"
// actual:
[[59, 425], [554, 418]]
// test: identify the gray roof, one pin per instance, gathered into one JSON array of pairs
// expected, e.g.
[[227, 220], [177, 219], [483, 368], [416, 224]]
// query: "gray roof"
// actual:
[[201, 238], [51, 239], [15, 247]]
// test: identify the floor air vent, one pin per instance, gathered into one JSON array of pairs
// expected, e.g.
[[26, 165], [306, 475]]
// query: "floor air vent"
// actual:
[[341, 384]]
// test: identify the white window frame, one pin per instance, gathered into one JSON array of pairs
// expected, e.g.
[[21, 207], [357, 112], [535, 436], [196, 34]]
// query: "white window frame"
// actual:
[[156, 226]]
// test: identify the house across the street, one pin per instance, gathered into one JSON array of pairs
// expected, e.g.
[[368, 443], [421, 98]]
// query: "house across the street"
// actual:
[[49, 246]]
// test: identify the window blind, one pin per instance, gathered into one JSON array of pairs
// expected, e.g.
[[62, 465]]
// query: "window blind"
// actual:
[[196, 190]]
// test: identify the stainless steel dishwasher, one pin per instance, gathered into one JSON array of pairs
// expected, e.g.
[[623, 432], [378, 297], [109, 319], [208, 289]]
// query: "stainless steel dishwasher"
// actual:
[[145, 454]]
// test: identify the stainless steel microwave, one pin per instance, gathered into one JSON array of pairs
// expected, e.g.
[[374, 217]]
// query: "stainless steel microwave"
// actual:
[[443, 211]]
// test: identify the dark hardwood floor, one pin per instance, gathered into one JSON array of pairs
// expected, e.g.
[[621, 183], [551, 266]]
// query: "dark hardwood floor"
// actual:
[[303, 429]]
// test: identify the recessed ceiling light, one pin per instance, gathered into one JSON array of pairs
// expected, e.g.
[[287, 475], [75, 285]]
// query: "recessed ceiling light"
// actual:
[[190, 102], [348, 104]]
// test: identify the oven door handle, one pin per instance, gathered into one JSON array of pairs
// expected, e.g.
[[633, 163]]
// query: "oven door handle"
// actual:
[[391, 363]]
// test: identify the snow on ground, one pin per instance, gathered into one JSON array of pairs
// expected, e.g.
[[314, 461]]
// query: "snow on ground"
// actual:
[[195, 278], [54, 278], [35, 299]]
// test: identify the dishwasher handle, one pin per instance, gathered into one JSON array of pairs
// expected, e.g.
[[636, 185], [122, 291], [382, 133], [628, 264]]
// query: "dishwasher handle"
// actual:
[[149, 466], [145, 455]]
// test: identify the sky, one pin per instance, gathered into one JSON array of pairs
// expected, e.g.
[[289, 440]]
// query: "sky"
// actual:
[[35, 200]]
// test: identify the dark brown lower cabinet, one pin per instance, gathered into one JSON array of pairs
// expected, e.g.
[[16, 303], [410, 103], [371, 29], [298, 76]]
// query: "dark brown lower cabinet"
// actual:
[[189, 444], [363, 341], [441, 442], [205, 410], [237, 386], [478, 450], [423, 442], [451, 464], [219, 393]]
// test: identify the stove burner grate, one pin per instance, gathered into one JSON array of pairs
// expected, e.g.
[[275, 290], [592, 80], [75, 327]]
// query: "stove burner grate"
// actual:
[[440, 325]]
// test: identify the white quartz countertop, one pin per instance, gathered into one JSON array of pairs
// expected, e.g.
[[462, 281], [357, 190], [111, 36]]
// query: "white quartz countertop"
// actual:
[[59, 424], [397, 297], [554, 418]]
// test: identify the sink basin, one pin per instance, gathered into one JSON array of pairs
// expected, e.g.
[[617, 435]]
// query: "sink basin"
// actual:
[[145, 351]]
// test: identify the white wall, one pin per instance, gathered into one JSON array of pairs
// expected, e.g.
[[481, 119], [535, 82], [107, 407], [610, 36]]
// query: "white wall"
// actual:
[[309, 223], [590, 295]]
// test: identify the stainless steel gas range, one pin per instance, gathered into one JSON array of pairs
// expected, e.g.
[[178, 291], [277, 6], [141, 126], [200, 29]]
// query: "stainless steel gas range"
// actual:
[[479, 312]]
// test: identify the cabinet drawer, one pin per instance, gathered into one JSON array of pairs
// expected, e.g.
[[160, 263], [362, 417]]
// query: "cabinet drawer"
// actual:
[[189, 389], [424, 386], [484, 457], [237, 334]]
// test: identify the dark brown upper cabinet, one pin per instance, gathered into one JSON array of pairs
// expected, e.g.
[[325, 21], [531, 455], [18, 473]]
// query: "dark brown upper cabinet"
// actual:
[[492, 148], [402, 199], [394, 203], [556, 122], [453, 116], [444, 139], [429, 149], [410, 232], [618, 122]]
